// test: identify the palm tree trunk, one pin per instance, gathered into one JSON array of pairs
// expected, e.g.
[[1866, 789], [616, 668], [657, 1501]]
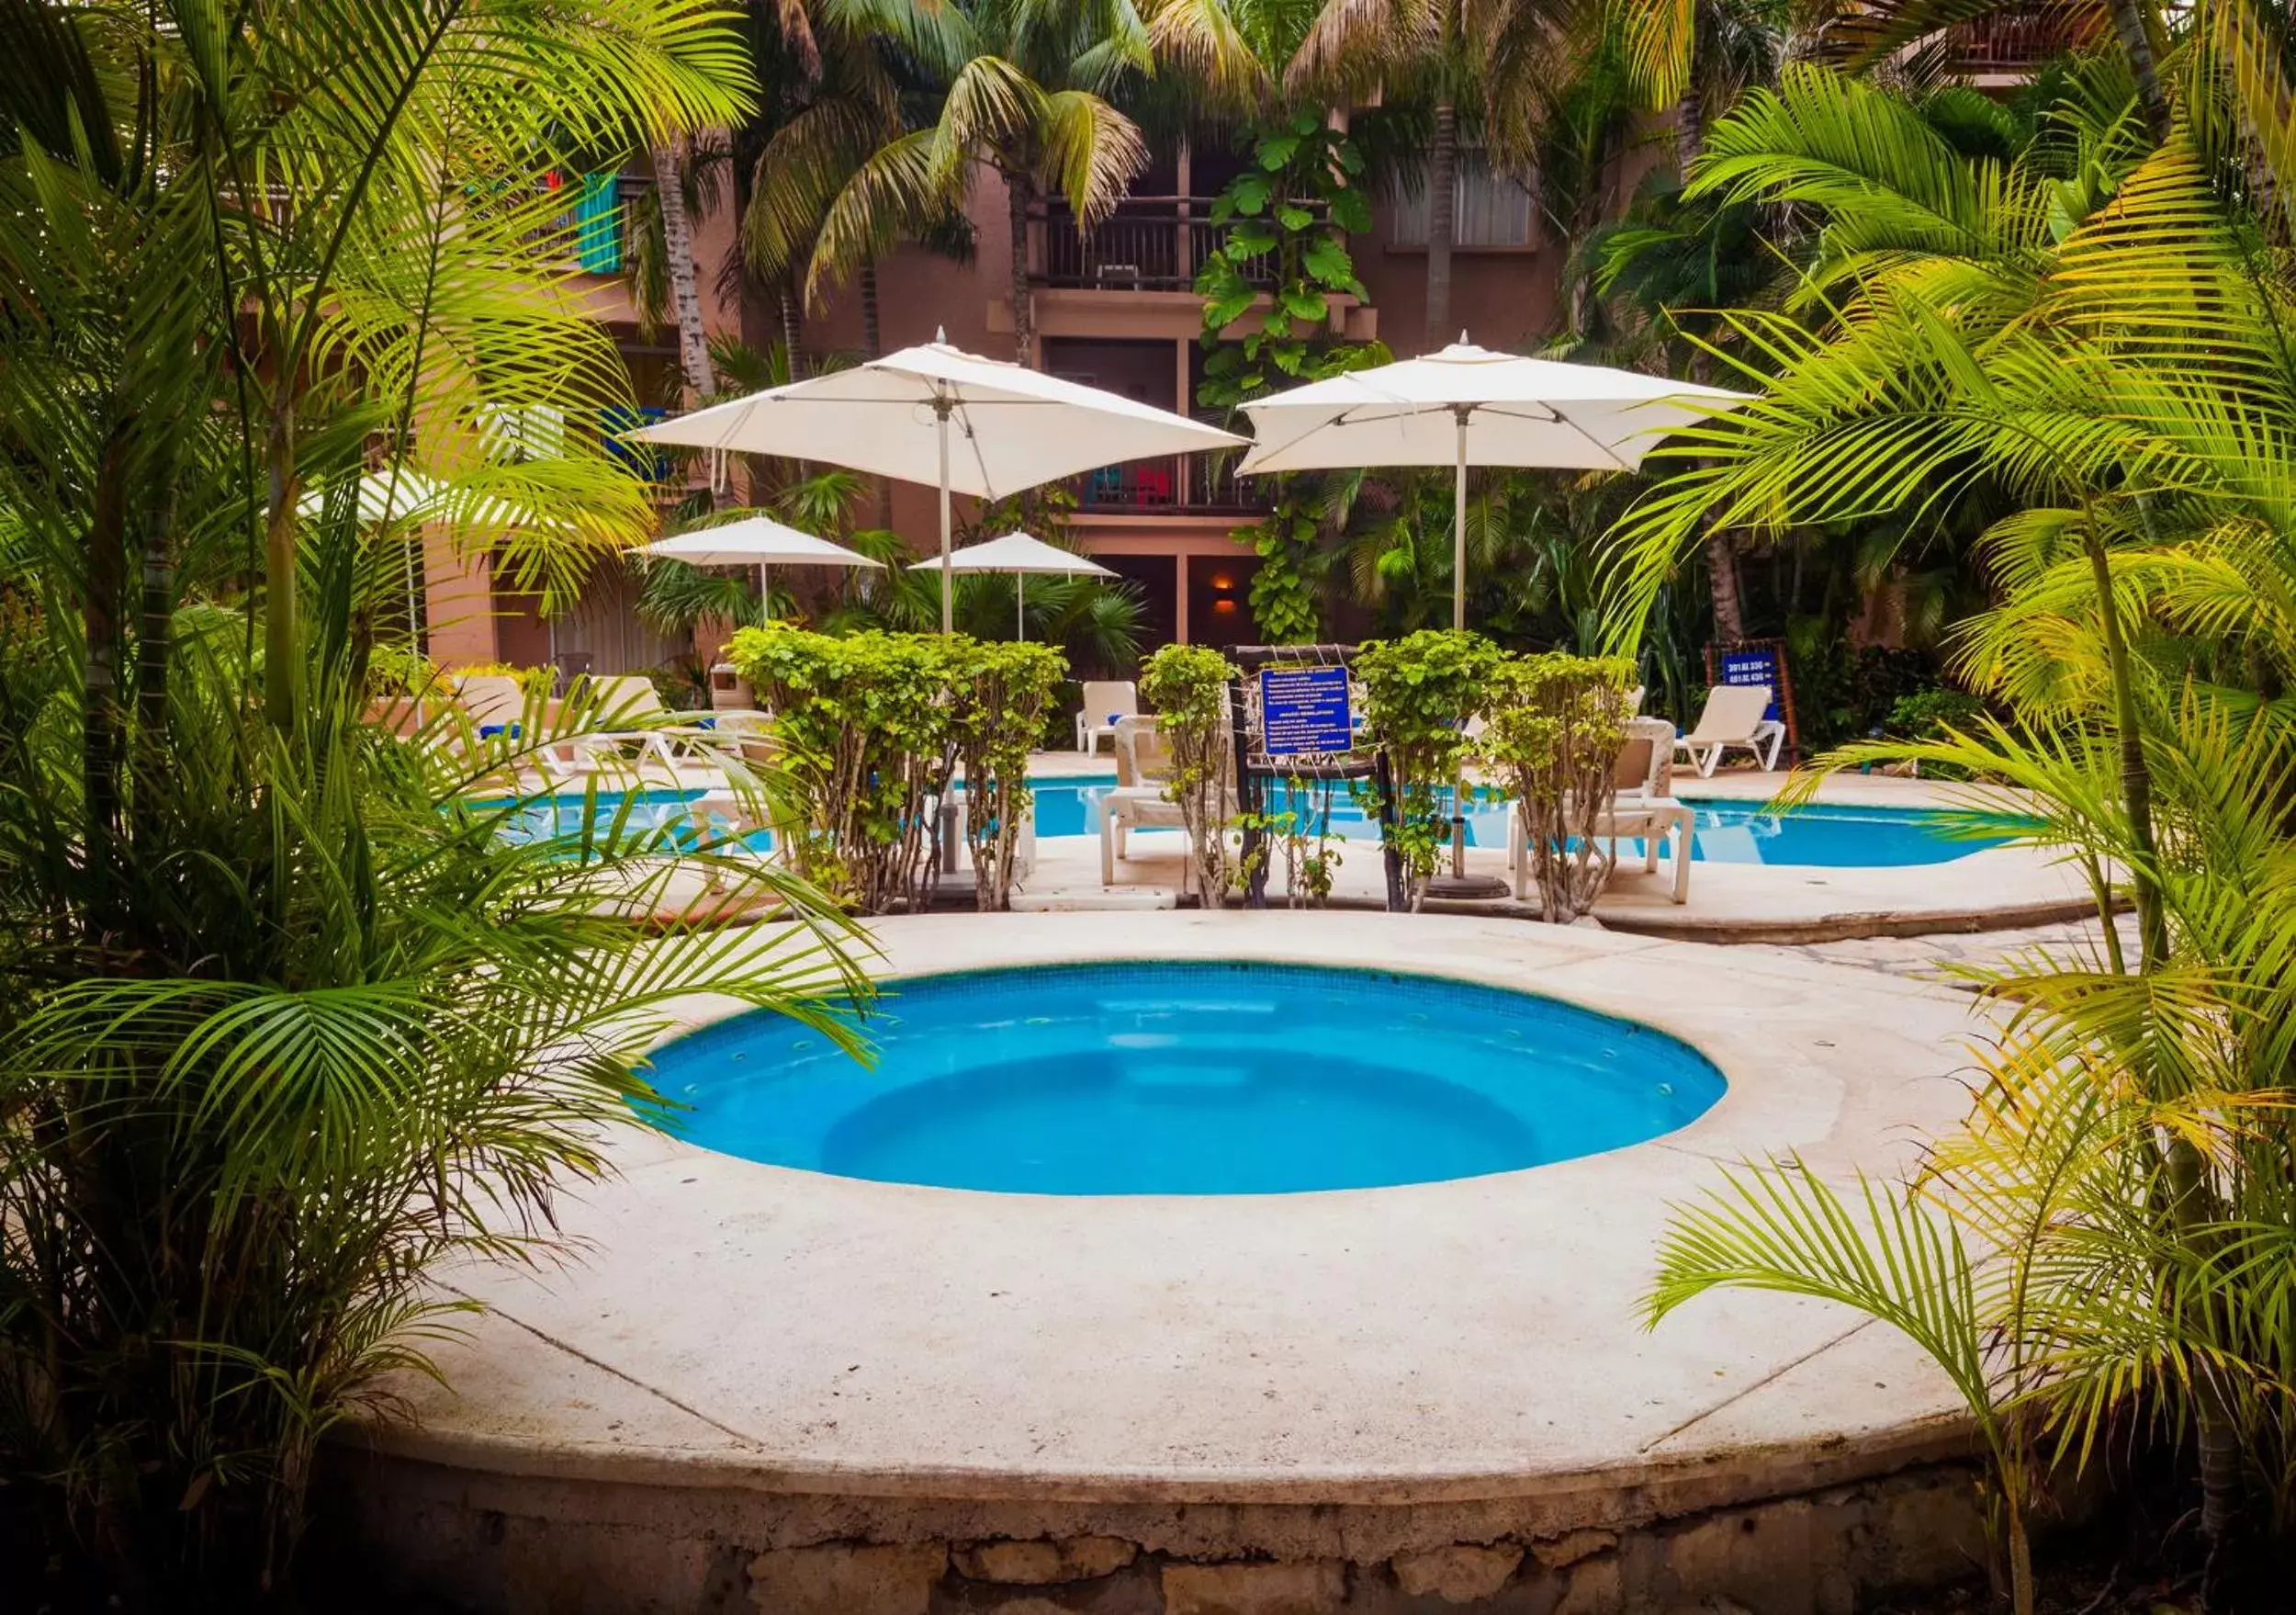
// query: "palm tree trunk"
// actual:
[[685, 295], [100, 715], [2131, 26], [283, 637], [1690, 128], [1017, 191], [2218, 1434], [1442, 173], [1730, 611], [155, 637], [793, 336], [873, 346]]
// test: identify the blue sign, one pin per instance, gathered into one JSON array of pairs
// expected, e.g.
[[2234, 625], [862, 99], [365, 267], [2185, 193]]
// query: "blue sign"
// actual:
[[1304, 710], [1754, 664]]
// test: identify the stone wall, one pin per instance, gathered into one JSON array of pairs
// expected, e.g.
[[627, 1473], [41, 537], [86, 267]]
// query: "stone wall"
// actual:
[[524, 1545]]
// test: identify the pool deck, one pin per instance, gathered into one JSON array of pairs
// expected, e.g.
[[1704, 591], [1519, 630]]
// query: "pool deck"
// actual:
[[1994, 887], [796, 1364], [1989, 889]]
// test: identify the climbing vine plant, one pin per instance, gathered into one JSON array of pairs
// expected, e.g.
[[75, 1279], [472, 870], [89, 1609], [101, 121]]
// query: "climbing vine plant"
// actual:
[[1287, 219]]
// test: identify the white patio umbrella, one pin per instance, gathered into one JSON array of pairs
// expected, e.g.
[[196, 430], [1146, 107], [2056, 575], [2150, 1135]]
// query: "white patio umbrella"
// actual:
[[1468, 406], [1018, 554], [759, 541], [939, 415]]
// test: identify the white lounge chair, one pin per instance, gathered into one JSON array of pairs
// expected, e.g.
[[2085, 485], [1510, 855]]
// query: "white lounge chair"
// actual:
[[1641, 810], [1108, 702], [1733, 717], [1143, 766], [492, 701], [631, 699]]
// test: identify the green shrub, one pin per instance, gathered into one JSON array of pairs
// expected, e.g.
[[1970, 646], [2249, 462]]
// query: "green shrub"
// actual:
[[870, 746], [1927, 714], [1000, 692], [875, 726], [1189, 687], [1553, 729], [1419, 692]]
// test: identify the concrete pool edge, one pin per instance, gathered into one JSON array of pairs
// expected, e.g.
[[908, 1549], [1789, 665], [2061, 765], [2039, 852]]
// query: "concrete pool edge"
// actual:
[[1453, 1371]]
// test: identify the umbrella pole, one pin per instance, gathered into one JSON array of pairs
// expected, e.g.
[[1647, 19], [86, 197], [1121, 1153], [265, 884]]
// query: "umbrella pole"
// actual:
[[765, 592], [1021, 606], [1458, 883], [948, 577], [1458, 622], [1458, 532]]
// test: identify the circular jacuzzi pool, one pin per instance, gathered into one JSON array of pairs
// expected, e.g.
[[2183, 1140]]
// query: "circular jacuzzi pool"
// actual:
[[1162, 1077]]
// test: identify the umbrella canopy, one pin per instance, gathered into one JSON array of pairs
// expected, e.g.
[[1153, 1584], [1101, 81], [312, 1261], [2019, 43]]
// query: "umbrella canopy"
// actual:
[[754, 541], [759, 541], [1515, 411], [1468, 406], [942, 416], [1019, 554], [1015, 552]]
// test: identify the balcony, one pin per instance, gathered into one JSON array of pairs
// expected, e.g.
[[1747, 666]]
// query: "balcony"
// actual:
[[2013, 45], [1148, 243], [1184, 485]]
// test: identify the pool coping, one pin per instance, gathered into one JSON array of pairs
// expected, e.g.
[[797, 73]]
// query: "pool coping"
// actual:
[[616, 1370]]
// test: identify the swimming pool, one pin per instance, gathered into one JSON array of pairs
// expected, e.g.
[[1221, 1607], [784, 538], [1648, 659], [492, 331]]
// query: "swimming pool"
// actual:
[[1164, 1077], [1728, 832], [646, 815]]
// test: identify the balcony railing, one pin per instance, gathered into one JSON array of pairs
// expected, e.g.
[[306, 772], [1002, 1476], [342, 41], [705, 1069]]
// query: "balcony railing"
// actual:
[[2012, 41], [1204, 485], [1148, 243]]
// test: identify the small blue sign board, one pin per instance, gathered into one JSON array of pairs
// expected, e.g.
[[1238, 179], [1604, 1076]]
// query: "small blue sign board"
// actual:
[[1304, 710], [1752, 664]]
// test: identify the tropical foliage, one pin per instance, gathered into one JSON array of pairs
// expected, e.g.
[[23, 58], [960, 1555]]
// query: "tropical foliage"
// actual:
[[1191, 687], [1286, 218], [1419, 692], [1553, 729], [2066, 316], [294, 1004], [1021, 88]]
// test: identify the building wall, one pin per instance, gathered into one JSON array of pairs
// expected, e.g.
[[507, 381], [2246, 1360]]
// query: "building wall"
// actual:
[[1141, 343]]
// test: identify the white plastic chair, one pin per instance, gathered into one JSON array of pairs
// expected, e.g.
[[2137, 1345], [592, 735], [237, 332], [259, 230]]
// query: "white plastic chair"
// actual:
[[621, 698], [1142, 767], [1108, 702], [1733, 717], [1641, 810]]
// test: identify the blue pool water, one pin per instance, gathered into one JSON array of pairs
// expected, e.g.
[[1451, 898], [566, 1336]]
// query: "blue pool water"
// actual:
[[666, 815], [1728, 832], [1186, 1078]]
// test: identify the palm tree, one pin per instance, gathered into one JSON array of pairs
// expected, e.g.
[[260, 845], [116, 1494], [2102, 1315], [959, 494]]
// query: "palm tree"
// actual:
[[299, 1005], [685, 294], [1687, 55], [1476, 58], [2087, 326], [1024, 87]]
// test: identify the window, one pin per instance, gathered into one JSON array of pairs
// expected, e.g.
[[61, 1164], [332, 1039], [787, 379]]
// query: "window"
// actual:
[[1491, 210]]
